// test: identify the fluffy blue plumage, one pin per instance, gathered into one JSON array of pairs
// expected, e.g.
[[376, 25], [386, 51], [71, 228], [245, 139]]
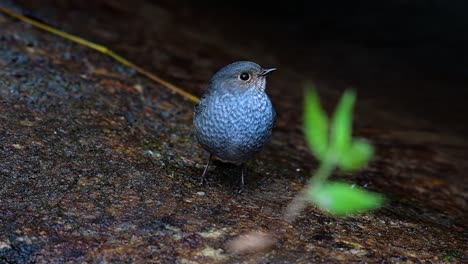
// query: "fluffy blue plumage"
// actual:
[[235, 117]]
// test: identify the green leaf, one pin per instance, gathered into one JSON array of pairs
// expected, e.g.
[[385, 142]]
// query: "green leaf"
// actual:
[[357, 156], [340, 138], [315, 123], [341, 199]]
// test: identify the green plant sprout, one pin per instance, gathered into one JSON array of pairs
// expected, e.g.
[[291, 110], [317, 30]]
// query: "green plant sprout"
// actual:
[[332, 144]]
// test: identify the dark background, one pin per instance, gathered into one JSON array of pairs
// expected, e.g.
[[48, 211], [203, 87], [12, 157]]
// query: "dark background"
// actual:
[[413, 52], [431, 33]]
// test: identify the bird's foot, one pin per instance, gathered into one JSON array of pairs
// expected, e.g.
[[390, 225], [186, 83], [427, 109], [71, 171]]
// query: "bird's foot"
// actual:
[[203, 181], [203, 178], [241, 189]]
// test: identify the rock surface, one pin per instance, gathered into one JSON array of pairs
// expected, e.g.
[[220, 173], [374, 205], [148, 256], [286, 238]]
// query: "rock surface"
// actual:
[[100, 164]]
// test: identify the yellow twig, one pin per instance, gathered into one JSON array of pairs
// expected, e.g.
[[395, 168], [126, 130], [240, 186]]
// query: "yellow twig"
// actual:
[[101, 49]]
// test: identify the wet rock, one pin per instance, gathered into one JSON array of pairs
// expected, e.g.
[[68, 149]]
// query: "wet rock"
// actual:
[[99, 164], [18, 250]]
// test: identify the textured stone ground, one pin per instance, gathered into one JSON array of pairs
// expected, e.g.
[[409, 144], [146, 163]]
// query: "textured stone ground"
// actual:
[[100, 164]]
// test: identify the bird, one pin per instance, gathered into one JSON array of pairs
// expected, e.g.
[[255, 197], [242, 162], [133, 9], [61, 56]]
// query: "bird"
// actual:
[[234, 118]]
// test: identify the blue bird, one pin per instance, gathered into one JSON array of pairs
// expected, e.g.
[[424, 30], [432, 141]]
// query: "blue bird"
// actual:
[[234, 119]]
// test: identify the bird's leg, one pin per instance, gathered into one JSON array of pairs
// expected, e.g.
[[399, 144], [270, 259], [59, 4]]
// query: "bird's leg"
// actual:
[[242, 175], [203, 178], [241, 189]]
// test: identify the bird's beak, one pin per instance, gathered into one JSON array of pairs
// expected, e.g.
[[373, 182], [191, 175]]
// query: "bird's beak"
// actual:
[[265, 72]]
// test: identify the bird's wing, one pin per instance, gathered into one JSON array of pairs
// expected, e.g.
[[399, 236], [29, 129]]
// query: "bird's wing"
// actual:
[[202, 103], [274, 116]]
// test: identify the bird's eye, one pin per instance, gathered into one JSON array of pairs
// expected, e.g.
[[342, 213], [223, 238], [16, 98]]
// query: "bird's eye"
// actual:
[[244, 76]]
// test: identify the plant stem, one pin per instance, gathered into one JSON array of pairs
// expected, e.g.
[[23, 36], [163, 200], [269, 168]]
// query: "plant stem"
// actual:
[[324, 171], [321, 174]]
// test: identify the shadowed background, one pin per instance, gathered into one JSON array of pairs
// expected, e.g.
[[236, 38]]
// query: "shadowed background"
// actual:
[[382, 48], [100, 164]]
